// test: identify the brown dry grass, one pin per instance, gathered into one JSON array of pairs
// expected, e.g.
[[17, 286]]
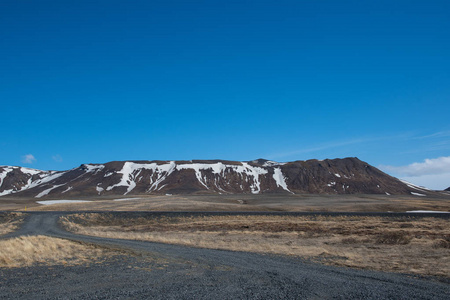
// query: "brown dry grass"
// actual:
[[153, 203], [9, 222], [245, 202], [409, 245], [30, 250]]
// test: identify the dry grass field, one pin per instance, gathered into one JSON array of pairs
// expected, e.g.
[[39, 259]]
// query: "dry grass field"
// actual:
[[30, 250], [408, 245], [240, 202], [9, 222]]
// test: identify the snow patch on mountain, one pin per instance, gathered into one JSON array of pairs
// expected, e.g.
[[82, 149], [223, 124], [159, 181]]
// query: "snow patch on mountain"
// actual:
[[417, 194], [93, 168], [30, 171], [66, 190], [46, 178], [160, 173], [217, 168], [50, 202], [99, 189], [280, 179], [47, 191], [6, 192], [130, 172], [428, 212], [413, 186], [253, 173], [270, 163], [127, 199]]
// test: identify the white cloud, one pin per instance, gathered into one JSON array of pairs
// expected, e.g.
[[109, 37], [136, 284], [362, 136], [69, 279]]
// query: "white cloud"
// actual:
[[57, 158], [434, 182], [434, 166], [28, 159], [432, 173]]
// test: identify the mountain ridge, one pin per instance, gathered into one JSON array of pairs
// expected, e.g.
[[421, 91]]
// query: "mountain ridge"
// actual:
[[329, 176]]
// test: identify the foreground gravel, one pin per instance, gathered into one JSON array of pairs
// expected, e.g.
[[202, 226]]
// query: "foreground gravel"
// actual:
[[160, 271]]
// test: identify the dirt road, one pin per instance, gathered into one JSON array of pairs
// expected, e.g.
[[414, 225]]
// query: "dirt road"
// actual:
[[161, 271]]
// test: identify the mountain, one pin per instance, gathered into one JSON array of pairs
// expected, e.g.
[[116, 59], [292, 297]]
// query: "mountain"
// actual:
[[447, 189], [330, 176]]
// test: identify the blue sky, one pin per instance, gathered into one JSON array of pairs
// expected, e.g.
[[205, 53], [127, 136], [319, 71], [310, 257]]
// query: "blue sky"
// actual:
[[95, 81]]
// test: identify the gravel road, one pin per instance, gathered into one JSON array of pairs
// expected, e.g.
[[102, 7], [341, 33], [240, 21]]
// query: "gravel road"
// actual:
[[161, 271]]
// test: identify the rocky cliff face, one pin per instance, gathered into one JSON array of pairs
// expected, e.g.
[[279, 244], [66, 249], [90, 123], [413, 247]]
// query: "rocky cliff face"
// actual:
[[330, 176]]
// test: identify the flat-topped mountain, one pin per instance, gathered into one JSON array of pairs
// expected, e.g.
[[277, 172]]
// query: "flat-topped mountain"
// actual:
[[329, 176]]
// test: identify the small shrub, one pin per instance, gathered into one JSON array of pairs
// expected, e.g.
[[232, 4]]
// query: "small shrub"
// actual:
[[349, 240], [272, 236], [393, 238], [406, 225], [442, 243]]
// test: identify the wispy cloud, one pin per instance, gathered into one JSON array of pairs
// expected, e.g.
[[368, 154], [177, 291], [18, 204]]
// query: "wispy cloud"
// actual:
[[28, 159], [434, 135], [432, 166], [335, 144], [318, 148], [57, 158]]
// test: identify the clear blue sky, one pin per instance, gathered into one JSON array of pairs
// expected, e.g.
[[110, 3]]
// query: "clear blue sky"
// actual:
[[95, 81]]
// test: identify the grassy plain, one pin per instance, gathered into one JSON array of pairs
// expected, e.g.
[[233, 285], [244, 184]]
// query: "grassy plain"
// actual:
[[399, 244]]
